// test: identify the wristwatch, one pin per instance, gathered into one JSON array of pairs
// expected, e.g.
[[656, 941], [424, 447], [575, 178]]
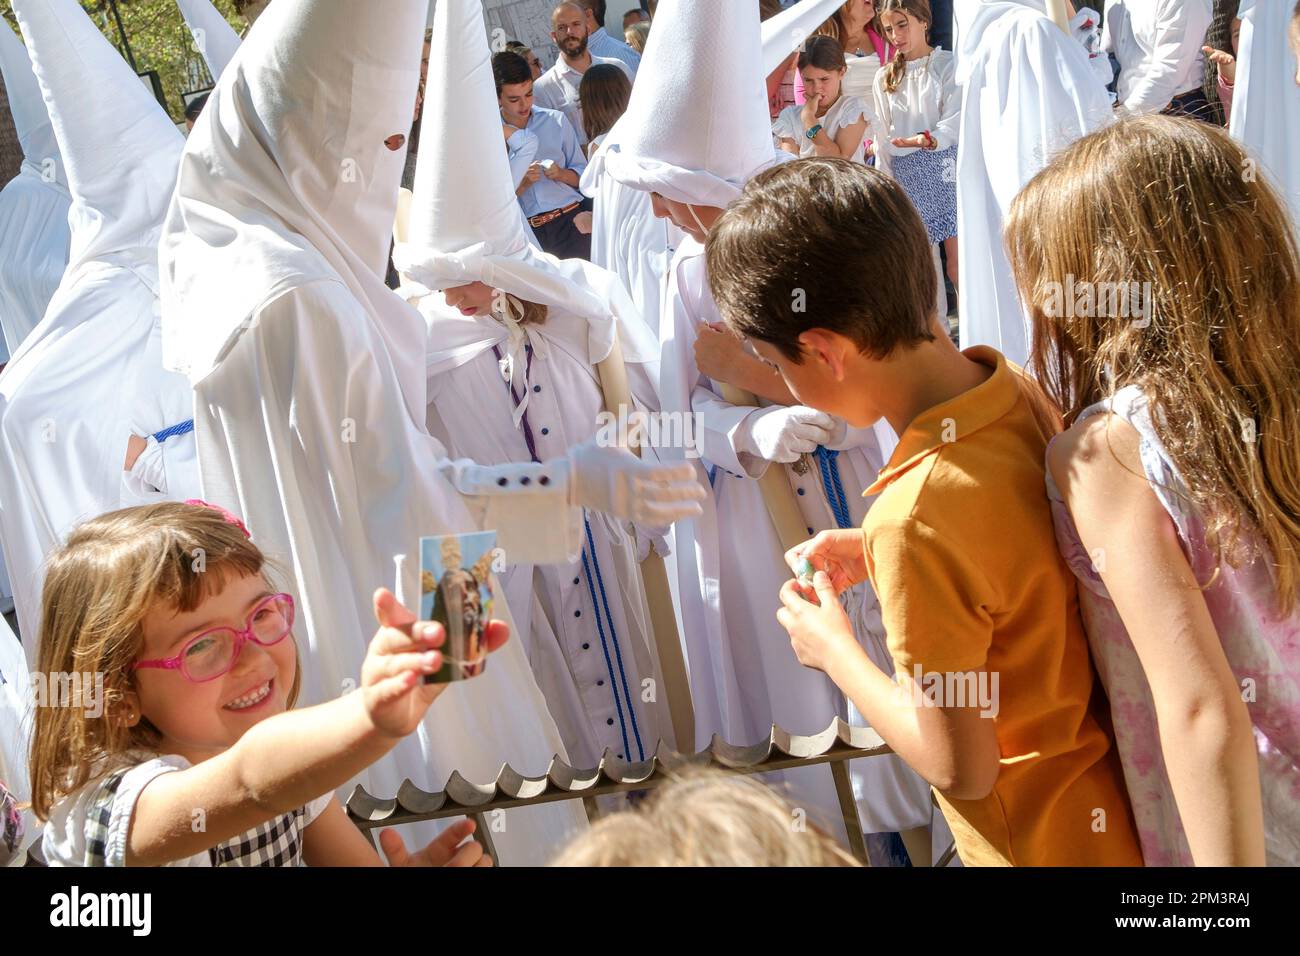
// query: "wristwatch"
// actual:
[[812, 133]]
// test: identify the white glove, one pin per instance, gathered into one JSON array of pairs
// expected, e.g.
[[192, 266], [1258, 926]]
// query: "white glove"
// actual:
[[618, 483], [784, 432]]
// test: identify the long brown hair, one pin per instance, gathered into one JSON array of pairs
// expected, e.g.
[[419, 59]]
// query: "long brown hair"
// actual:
[[1175, 210], [99, 587], [916, 10], [603, 93]]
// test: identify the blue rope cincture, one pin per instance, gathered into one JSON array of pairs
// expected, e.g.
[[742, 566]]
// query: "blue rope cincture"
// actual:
[[618, 651], [830, 472], [604, 645], [174, 431]]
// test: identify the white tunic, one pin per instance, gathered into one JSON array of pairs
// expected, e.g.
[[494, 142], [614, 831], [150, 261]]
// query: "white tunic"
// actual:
[[772, 685], [627, 238], [927, 98], [1266, 105], [87, 378], [90, 374], [845, 111], [304, 434], [1027, 92], [309, 377], [1158, 45], [585, 623], [34, 239]]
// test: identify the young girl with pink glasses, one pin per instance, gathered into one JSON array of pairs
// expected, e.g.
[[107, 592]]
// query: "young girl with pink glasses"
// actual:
[[196, 757]]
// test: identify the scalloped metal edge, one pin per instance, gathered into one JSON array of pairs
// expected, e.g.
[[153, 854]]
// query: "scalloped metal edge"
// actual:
[[780, 751]]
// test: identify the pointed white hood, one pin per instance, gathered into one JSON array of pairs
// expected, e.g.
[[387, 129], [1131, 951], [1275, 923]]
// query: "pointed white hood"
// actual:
[[697, 126], [288, 177], [1028, 91], [782, 34], [35, 131], [119, 147], [214, 38], [465, 223]]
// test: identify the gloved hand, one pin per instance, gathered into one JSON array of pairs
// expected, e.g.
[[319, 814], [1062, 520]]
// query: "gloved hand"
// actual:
[[617, 482], [784, 432]]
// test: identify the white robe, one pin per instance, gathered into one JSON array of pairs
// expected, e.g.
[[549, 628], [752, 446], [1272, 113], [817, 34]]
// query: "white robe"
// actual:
[[304, 433], [34, 239], [585, 624], [773, 687], [89, 376], [1266, 104], [1027, 91], [628, 239]]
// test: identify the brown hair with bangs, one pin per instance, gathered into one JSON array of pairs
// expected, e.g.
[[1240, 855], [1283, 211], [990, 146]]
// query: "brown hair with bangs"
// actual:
[[1176, 207], [798, 250], [99, 587]]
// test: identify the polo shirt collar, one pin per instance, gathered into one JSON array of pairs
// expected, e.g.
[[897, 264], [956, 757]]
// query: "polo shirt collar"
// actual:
[[956, 418]]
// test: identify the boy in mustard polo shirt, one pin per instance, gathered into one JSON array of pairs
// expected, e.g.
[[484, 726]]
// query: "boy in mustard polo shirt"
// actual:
[[826, 267]]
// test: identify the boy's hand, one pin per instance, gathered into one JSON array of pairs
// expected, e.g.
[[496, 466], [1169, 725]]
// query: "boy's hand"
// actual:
[[402, 652], [445, 850], [838, 553], [820, 632]]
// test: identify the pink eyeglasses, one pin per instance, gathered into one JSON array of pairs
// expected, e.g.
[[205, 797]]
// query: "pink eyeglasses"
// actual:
[[213, 653]]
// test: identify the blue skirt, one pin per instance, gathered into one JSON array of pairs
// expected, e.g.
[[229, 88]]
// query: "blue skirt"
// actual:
[[929, 177]]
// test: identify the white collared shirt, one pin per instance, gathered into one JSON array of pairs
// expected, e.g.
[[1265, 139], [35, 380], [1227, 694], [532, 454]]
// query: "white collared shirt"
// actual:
[[1158, 45], [557, 89]]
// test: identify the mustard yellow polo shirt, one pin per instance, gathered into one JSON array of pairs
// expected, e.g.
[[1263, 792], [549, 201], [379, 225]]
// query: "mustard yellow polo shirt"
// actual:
[[961, 550]]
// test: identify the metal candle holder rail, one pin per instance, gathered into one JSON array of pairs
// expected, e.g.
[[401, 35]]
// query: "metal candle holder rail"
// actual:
[[781, 750]]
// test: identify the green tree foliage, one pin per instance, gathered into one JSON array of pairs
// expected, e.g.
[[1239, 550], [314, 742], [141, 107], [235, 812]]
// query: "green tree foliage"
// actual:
[[158, 41]]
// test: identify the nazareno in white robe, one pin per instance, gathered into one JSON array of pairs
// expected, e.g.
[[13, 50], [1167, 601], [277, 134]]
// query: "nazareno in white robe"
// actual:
[[1266, 104], [742, 565], [585, 623], [34, 234], [1028, 90], [309, 381], [626, 236], [91, 374]]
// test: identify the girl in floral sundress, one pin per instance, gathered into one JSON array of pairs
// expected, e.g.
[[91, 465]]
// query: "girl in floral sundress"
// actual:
[[1176, 488]]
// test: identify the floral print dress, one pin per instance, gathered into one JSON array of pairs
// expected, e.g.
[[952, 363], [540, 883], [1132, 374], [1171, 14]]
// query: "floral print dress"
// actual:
[[1262, 648]]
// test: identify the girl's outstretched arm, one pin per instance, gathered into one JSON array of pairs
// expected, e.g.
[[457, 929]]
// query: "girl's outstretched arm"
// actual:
[[1205, 729], [291, 758]]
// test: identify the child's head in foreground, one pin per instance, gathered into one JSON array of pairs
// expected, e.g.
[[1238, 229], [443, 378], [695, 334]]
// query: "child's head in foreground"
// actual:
[[1153, 253], [706, 818], [825, 265], [171, 604]]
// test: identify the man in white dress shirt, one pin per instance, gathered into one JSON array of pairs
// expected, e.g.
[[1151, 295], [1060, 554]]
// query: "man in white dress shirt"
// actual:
[[557, 88], [601, 43], [1158, 45]]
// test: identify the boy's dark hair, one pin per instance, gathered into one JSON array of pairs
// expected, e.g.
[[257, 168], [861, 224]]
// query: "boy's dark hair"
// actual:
[[823, 243], [510, 68], [195, 106]]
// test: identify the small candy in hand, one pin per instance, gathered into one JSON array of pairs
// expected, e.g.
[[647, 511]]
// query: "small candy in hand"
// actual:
[[806, 572]]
